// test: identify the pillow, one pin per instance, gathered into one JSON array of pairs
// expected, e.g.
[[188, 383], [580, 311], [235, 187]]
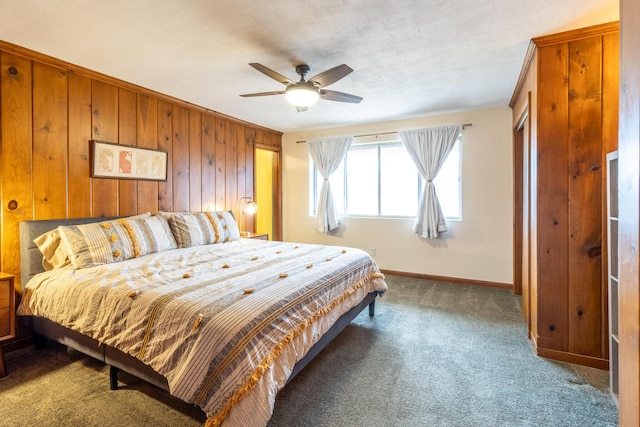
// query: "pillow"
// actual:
[[227, 226], [54, 254], [96, 243], [56, 251], [149, 235], [193, 228]]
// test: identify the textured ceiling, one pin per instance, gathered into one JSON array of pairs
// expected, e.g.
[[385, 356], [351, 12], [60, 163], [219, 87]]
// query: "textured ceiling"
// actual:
[[410, 58]]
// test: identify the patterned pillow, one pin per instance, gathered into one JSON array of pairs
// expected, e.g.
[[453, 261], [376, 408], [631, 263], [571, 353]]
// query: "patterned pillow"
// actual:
[[149, 235], [227, 226], [54, 251], [96, 243], [193, 228]]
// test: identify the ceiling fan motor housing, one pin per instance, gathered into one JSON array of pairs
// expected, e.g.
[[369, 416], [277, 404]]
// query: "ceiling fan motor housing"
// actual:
[[302, 70]]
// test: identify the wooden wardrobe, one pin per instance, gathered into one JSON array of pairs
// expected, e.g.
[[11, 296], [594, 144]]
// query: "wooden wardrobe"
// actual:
[[565, 120]]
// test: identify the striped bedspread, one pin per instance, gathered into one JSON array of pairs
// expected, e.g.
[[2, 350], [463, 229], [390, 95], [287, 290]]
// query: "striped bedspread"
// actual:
[[224, 323]]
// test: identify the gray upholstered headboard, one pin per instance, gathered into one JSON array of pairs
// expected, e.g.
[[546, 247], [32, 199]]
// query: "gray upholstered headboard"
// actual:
[[30, 256]]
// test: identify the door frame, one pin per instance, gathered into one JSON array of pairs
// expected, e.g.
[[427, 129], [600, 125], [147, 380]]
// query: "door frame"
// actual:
[[522, 257], [277, 187]]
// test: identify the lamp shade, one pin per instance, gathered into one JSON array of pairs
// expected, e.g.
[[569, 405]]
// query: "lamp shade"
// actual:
[[302, 95], [251, 208]]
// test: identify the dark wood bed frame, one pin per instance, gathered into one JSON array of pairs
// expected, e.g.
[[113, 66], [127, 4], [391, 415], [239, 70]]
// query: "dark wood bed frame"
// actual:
[[31, 264]]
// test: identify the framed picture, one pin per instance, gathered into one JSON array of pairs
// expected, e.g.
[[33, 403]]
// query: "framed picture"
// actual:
[[109, 160]]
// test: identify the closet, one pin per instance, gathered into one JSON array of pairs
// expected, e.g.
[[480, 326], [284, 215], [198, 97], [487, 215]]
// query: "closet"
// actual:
[[566, 101]]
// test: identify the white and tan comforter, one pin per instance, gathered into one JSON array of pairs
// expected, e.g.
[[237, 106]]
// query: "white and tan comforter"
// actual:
[[224, 323]]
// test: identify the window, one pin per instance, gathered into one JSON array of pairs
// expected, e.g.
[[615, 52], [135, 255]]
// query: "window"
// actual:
[[381, 180]]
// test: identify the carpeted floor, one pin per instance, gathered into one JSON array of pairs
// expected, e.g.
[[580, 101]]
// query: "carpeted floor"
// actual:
[[435, 354]]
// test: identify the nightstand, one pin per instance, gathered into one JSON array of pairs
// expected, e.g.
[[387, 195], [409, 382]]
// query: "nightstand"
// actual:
[[250, 235], [7, 315]]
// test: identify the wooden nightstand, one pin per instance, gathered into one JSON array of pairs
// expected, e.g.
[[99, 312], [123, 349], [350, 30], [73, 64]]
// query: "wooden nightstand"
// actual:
[[250, 235], [7, 315]]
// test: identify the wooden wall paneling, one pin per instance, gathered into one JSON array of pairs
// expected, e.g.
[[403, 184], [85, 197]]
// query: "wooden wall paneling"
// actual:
[[49, 171], [195, 161], [571, 77], [79, 134], [208, 162], [104, 102], [585, 197], [552, 197], [610, 101], [165, 143], [231, 167], [180, 159], [127, 134], [147, 137], [221, 158], [16, 156], [629, 220]]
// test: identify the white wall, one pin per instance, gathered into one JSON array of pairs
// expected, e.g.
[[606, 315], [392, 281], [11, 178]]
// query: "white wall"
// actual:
[[479, 247]]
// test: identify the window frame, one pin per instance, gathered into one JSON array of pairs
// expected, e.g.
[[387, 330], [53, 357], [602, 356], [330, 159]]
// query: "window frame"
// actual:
[[314, 187]]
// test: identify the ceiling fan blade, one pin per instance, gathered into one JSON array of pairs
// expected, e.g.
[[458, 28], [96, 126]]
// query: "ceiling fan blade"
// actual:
[[332, 75], [332, 95], [269, 72], [301, 109], [277, 92]]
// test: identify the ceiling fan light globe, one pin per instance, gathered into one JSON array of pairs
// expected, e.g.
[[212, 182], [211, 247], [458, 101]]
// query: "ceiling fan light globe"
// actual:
[[301, 96]]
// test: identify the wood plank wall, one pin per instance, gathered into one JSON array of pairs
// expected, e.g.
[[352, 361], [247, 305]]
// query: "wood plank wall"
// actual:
[[50, 110], [569, 84], [577, 127]]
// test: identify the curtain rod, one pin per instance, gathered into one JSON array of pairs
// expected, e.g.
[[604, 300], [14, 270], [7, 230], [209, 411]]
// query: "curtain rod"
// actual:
[[383, 133]]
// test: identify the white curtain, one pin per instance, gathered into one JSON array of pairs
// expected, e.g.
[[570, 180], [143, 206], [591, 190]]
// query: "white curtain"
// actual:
[[429, 149], [327, 154]]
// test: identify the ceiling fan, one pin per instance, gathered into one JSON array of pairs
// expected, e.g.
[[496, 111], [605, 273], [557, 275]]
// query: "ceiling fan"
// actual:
[[303, 94]]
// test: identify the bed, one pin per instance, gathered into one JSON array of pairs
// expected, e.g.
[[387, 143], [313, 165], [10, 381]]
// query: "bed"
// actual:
[[217, 320]]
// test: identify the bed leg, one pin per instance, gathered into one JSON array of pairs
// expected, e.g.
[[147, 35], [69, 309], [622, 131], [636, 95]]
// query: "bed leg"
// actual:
[[372, 308], [39, 341], [113, 377]]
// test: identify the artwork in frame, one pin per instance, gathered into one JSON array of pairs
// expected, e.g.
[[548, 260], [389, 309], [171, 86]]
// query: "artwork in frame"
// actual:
[[109, 160]]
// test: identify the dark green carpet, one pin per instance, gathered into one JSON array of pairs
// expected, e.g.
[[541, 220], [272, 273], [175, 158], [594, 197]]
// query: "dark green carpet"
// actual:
[[435, 354]]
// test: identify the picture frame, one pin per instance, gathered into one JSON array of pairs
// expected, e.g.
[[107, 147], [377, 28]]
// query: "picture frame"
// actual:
[[111, 160]]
